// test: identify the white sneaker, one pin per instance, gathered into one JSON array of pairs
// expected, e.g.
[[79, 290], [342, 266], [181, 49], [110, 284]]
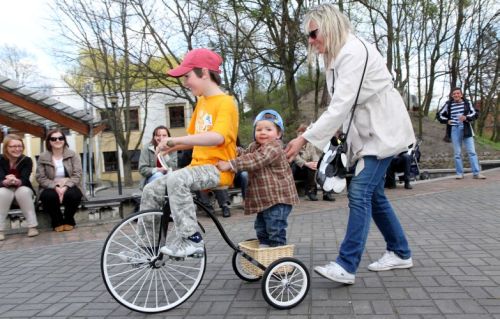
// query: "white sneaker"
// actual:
[[390, 261], [2, 236], [134, 258], [335, 272], [184, 247]]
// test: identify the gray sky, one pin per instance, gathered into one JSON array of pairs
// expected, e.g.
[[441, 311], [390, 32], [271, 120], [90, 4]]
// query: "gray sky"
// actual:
[[23, 23]]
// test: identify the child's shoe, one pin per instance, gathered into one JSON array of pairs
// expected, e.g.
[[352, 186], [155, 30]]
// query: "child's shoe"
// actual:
[[184, 247]]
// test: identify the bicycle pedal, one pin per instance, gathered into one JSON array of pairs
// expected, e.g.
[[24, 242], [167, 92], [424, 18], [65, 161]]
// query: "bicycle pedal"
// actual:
[[197, 255]]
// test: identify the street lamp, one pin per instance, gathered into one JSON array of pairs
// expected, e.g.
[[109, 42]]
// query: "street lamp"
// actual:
[[113, 99]]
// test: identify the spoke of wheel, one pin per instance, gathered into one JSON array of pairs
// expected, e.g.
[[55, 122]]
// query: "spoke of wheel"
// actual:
[[273, 288], [136, 271], [170, 283], [185, 274], [134, 242], [129, 239], [139, 279], [128, 271], [140, 289], [177, 281], [163, 286], [149, 290], [146, 231]]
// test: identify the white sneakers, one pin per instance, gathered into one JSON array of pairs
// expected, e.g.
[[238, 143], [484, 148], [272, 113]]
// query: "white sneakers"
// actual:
[[390, 261], [184, 247], [335, 272]]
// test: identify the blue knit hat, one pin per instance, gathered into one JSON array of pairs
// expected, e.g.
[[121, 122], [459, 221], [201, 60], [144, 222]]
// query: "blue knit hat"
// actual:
[[271, 116]]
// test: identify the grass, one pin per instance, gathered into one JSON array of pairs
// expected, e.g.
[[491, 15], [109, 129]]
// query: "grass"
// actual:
[[487, 142]]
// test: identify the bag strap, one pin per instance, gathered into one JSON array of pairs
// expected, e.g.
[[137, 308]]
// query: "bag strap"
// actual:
[[343, 136]]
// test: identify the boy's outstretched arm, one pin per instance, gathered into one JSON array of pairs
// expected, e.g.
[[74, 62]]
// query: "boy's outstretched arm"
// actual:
[[201, 139]]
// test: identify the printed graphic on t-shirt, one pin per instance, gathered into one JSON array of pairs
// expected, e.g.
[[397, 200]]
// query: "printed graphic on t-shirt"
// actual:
[[204, 122]]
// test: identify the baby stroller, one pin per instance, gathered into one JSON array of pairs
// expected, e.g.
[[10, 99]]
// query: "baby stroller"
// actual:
[[414, 155]]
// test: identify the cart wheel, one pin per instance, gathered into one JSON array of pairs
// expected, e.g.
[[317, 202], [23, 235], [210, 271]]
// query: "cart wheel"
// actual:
[[137, 275], [240, 271], [285, 283]]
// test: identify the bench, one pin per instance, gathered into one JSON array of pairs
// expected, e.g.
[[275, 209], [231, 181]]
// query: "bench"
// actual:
[[91, 210]]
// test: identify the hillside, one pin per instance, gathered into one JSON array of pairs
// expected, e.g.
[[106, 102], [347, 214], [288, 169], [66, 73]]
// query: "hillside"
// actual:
[[435, 152]]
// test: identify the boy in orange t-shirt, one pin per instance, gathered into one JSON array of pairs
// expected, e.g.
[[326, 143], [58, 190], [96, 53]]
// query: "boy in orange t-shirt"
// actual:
[[212, 135]]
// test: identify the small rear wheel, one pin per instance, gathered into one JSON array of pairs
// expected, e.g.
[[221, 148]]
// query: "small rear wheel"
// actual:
[[240, 271], [285, 283]]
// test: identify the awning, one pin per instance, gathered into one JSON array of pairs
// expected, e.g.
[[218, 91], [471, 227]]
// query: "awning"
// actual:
[[32, 112]]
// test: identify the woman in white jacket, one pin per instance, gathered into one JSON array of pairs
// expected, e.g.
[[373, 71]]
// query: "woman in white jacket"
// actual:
[[380, 129]]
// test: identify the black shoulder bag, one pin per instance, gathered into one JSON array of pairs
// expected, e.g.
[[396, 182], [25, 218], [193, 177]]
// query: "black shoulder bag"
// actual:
[[332, 169]]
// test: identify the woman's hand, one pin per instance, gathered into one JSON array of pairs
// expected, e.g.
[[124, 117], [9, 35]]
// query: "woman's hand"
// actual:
[[294, 146], [60, 190], [11, 180]]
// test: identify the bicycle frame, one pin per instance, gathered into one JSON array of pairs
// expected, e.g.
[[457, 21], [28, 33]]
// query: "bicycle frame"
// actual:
[[167, 218]]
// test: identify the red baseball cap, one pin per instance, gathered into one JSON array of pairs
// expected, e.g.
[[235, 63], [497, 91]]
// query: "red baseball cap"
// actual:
[[197, 58]]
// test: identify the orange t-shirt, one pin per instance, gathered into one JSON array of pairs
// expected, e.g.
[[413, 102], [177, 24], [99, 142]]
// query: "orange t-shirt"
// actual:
[[217, 113]]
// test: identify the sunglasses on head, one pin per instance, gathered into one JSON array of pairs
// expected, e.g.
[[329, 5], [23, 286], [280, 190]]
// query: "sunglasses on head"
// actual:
[[60, 138], [313, 34]]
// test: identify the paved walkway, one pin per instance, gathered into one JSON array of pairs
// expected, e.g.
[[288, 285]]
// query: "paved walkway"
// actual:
[[453, 227]]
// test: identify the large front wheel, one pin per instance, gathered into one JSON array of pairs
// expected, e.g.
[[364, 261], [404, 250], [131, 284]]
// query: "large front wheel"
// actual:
[[137, 275]]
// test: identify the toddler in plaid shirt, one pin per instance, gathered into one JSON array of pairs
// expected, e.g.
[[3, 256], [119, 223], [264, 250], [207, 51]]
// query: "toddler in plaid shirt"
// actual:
[[271, 188]]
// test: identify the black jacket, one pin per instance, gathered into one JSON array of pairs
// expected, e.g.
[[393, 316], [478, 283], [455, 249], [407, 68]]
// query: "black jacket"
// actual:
[[24, 165], [444, 115]]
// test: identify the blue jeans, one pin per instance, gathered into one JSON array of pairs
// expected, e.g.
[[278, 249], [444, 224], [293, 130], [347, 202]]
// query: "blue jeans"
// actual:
[[366, 201], [241, 181], [457, 137], [270, 225]]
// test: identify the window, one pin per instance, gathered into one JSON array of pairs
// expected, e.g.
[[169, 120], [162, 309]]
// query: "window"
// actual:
[[176, 114], [105, 118], [110, 161], [134, 159], [133, 120]]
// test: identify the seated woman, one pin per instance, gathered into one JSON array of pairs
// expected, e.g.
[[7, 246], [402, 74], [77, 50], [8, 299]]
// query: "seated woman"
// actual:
[[59, 174], [153, 165], [15, 171]]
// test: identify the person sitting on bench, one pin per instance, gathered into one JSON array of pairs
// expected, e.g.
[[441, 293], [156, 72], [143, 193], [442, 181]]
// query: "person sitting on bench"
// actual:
[[400, 163]]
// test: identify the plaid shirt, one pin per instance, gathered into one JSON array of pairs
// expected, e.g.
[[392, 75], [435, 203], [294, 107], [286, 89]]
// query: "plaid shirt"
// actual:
[[270, 179]]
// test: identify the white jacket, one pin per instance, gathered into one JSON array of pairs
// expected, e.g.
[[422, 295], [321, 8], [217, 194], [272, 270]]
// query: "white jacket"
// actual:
[[381, 126]]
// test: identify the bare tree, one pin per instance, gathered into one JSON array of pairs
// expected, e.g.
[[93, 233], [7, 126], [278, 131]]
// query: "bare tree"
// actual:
[[19, 65], [107, 43]]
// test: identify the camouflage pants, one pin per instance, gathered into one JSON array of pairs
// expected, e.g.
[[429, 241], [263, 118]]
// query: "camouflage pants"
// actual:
[[179, 185]]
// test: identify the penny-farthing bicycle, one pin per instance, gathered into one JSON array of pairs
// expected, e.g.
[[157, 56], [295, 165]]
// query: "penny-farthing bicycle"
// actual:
[[143, 279]]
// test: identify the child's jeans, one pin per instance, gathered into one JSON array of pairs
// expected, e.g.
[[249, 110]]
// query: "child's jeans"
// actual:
[[270, 225], [179, 185]]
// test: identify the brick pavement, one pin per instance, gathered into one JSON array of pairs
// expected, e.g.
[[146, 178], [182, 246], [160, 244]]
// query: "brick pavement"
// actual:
[[453, 227]]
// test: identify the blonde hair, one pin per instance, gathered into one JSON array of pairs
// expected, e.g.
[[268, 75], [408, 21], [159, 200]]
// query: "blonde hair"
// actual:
[[6, 141], [334, 27]]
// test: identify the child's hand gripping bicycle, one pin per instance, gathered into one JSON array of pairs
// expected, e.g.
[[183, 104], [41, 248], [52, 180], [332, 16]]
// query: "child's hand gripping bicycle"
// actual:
[[143, 279]]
